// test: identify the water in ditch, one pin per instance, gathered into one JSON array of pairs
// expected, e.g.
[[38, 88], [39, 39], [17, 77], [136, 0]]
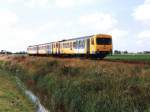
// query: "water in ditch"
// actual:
[[34, 99]]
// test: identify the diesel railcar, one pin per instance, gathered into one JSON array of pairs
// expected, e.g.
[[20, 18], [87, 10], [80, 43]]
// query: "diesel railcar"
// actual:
[[97, 46]]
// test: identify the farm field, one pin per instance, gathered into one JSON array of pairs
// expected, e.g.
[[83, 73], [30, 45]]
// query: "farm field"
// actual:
[[11, 99], [130, 57], [76, 85]]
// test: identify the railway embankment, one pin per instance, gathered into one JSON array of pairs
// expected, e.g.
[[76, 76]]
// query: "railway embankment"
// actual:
[[75, 85]]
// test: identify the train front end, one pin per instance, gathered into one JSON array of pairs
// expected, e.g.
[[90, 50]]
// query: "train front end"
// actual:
[[103, 45]]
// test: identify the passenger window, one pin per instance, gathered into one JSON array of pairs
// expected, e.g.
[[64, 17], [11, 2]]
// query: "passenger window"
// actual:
[[70, 44], [83, 44], [74, 44], [79, 43]]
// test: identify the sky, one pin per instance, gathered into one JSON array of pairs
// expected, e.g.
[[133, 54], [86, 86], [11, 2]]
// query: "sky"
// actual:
[[29, 22]]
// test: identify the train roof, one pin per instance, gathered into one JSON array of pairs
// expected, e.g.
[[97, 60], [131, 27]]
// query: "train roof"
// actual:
[[85, 37]]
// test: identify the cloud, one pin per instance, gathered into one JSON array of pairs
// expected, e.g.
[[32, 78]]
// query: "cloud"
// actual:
[[7, 19], [119, 38], [143, 39], [38, 3], [144, 35], [13, 36], [53, 3], [102, 22], [141, 13], [118, 33], [72, 3]]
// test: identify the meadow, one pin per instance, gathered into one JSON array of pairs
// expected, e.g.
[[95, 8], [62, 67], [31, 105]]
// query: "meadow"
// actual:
[[75, 85], [130, 57]]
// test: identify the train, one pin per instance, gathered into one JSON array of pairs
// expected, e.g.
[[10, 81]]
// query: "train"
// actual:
[[95, 46]]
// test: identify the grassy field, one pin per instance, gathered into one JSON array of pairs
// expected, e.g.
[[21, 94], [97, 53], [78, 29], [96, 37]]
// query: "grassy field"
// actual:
[[130, 57], [74, 85], [11, 99]]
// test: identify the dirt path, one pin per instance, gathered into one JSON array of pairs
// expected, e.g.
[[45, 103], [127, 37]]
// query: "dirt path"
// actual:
[[11, 99]]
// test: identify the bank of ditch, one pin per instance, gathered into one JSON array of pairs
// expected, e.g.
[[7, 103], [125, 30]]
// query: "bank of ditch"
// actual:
[[84, 86], [11, 98]]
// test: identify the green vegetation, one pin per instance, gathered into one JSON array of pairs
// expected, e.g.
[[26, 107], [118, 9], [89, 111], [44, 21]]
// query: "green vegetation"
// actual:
[[72, 85], [130, 57], [11, 99]]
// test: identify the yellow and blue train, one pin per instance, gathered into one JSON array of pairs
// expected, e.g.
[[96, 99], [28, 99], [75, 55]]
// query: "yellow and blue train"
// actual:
[[97, 46]]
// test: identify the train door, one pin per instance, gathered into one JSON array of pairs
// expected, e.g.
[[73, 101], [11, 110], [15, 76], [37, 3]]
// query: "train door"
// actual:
[[88, 46], [52, 48], [48, 49], [58, 48]]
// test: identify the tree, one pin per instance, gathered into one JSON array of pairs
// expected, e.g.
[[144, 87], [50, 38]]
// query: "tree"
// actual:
[[117, 52]]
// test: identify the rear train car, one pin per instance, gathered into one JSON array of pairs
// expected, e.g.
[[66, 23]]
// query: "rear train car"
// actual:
[[32, 50]]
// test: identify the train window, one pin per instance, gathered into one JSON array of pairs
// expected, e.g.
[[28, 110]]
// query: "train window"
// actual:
[[77, 44], [92, 41], [67, 45], [64, 45], [83, 43], [104, 41], [74, 44], [70, 44], [80, 43]]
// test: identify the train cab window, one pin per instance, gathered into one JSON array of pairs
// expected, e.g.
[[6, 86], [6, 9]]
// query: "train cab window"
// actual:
[[104, 41], [92, 41]]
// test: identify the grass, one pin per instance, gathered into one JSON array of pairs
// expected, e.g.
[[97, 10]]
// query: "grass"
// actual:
[[73, 85], [11, 99], [130, 57]]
